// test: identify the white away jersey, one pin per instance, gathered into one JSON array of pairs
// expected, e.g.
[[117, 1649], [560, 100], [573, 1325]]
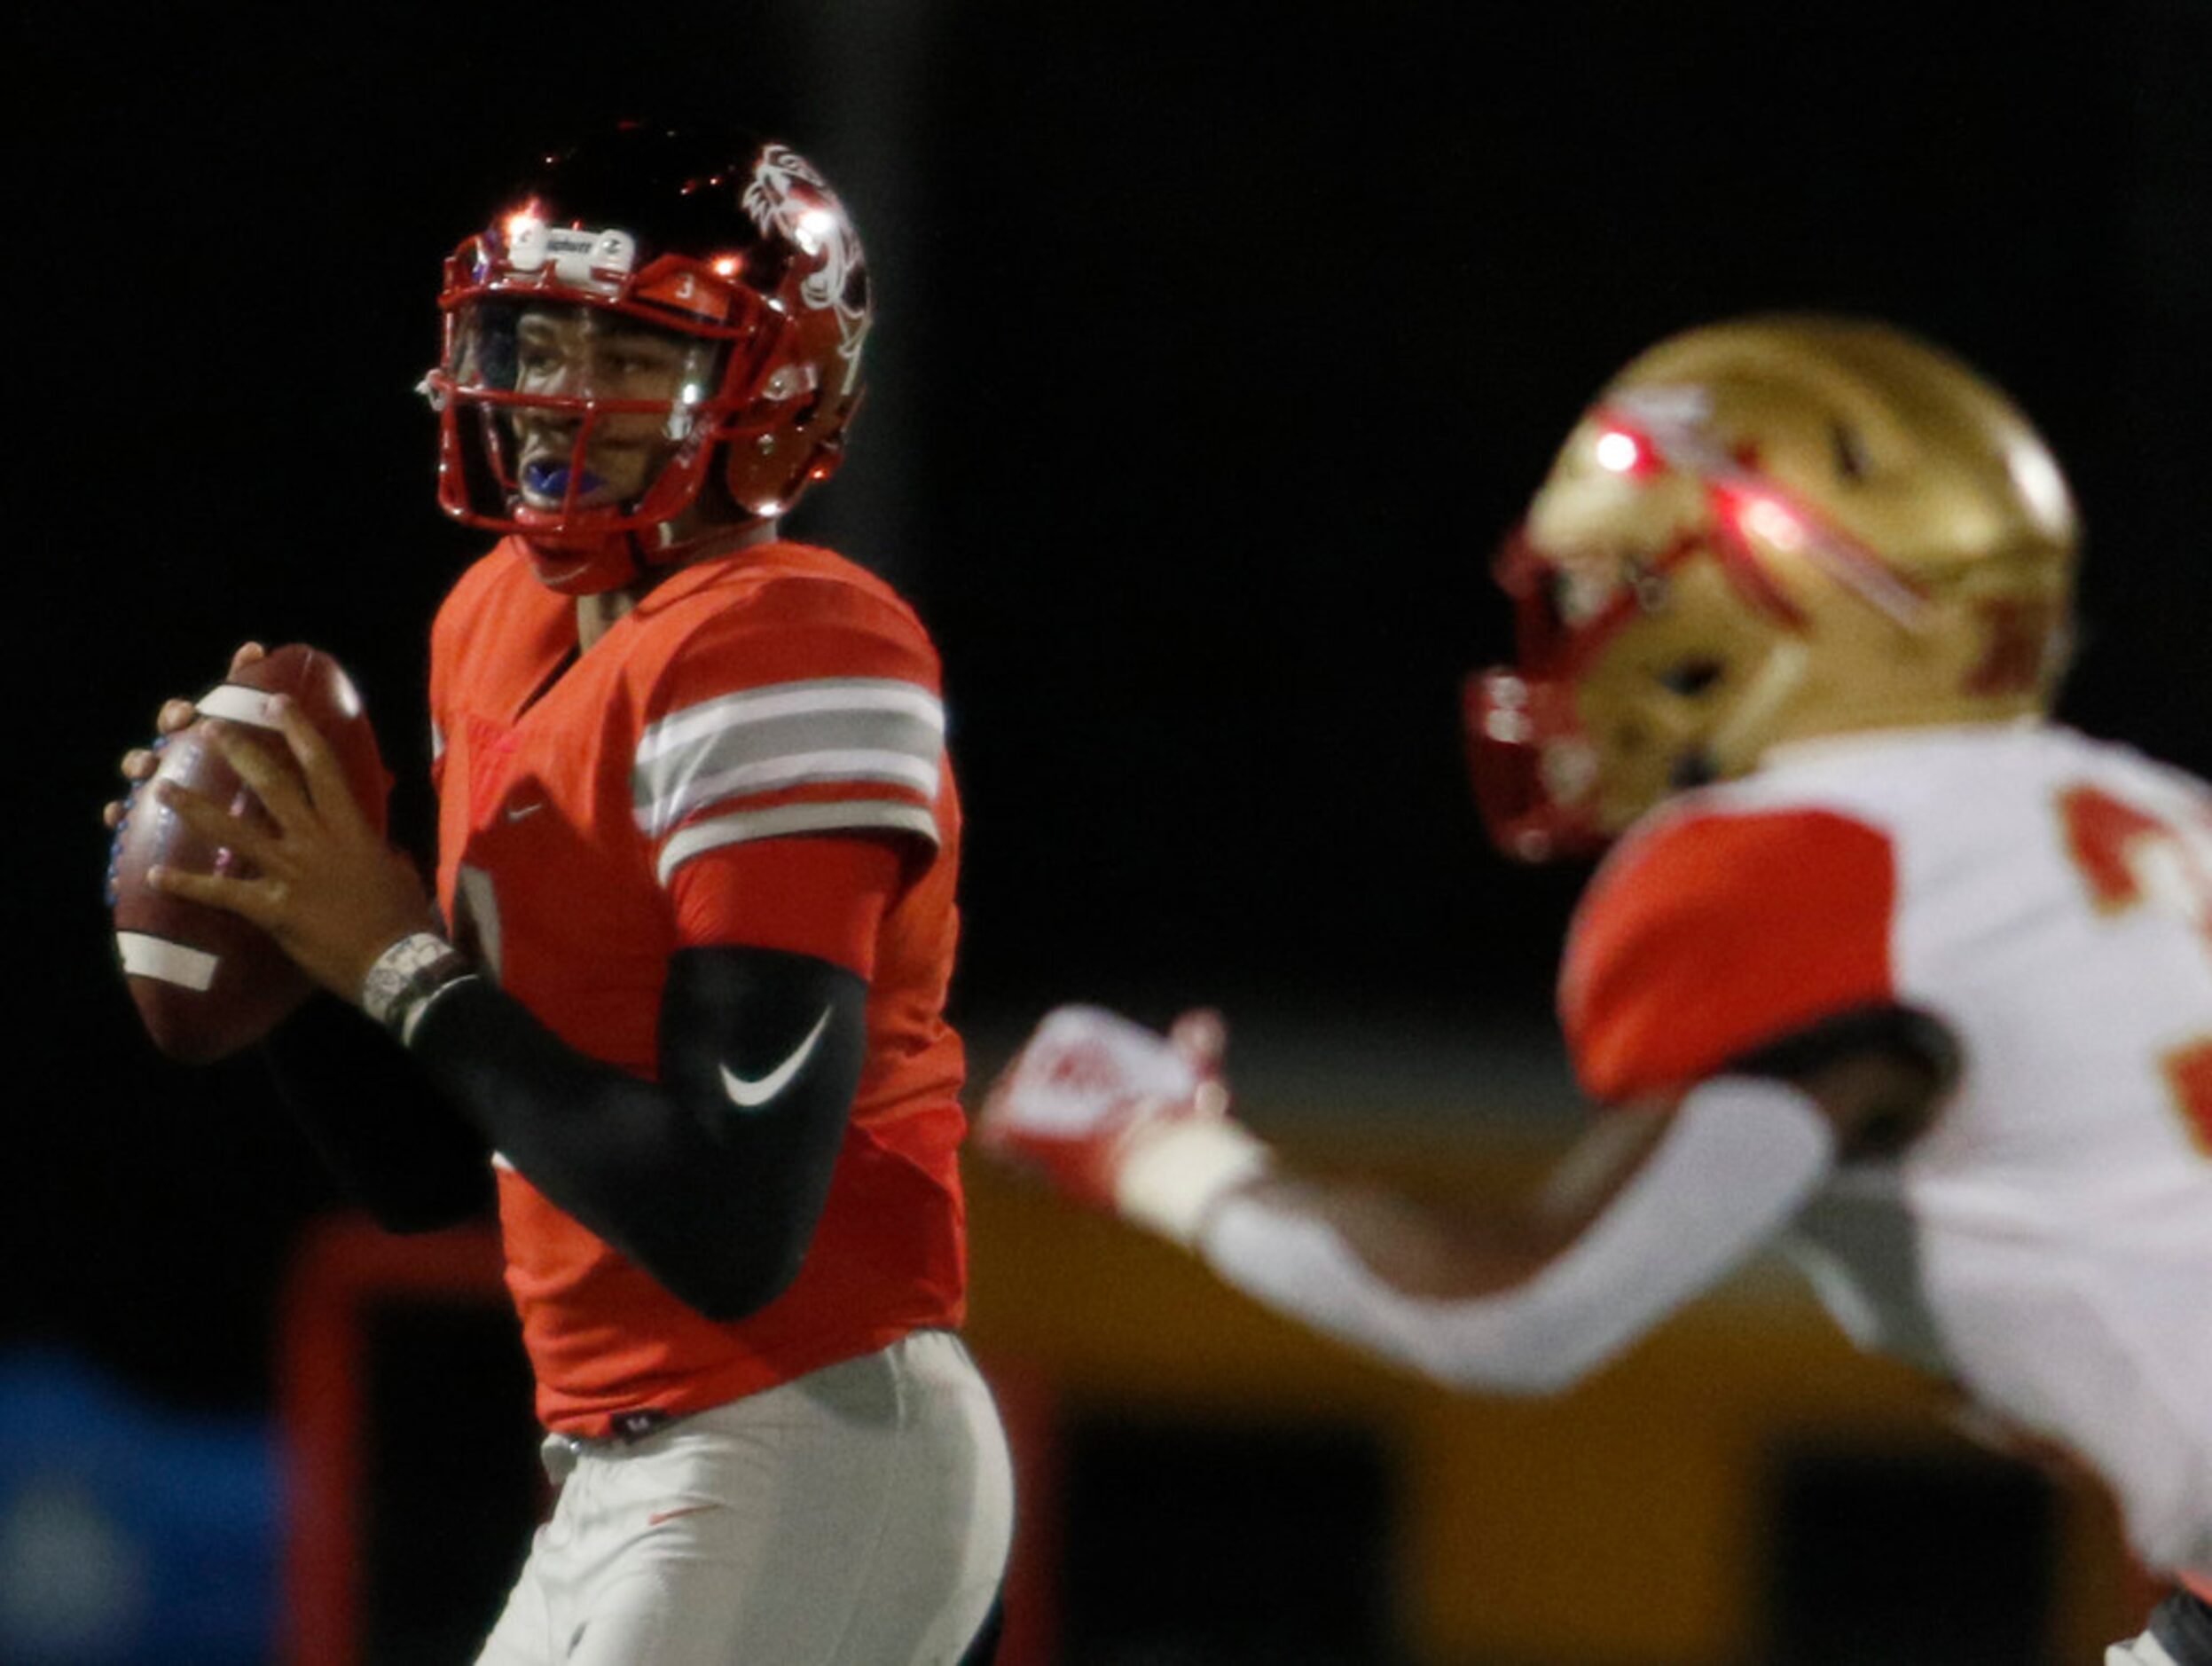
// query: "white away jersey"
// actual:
[[2049, 898]]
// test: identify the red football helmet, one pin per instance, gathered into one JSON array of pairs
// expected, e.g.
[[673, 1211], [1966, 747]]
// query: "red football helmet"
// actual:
[[652, 323]]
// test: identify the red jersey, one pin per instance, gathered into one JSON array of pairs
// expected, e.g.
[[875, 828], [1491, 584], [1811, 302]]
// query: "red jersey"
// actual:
[[591, 810]]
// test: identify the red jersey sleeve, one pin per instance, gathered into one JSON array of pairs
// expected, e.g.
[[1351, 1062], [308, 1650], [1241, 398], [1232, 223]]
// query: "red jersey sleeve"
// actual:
[[823, 897], [1713, 934], [813, 708]]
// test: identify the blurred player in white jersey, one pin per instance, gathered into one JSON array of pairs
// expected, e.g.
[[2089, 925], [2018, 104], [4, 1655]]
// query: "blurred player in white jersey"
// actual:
[[1883, 965]]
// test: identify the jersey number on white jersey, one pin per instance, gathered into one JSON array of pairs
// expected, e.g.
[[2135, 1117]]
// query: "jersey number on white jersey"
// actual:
[[2130, 859]]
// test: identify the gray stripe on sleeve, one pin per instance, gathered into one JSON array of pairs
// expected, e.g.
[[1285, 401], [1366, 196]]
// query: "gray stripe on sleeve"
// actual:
[[788, 735]]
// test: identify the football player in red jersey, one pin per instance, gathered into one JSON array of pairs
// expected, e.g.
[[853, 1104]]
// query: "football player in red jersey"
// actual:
[[1884, 964], [685, 983]]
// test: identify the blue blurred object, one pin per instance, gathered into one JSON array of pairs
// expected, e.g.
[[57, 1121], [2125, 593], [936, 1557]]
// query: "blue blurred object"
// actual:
[[129, 1534]]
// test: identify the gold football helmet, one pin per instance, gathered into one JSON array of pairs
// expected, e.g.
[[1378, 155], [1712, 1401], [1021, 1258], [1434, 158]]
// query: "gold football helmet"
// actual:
[[1764, 530]]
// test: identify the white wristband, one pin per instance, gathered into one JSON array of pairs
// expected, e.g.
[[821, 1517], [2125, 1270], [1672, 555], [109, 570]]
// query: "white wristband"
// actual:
[[1173, 1177]]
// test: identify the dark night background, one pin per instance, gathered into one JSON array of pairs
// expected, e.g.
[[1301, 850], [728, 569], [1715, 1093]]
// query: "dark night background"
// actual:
[[1216, 347]]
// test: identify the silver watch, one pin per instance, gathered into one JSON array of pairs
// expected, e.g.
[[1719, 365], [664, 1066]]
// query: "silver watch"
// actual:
[[408, 973]]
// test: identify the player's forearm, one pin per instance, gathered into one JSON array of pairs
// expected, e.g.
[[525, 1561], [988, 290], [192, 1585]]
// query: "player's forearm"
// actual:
[[1416, 1249], [379, 1125], [1738, 1160], [719, 1206]]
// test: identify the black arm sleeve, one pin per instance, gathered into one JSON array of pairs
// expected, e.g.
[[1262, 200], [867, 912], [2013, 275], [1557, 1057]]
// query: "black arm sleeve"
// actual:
[[394, 1142], [711, 1179]]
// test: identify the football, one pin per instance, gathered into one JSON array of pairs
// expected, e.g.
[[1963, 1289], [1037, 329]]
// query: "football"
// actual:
[[207, 983]]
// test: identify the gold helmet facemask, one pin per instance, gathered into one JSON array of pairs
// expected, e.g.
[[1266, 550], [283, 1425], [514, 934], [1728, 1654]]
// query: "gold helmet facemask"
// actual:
[[1763, 531]]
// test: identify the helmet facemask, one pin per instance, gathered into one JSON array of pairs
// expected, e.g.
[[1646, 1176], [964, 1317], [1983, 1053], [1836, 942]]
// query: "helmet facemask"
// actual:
[[564, 411], [1633, 679]]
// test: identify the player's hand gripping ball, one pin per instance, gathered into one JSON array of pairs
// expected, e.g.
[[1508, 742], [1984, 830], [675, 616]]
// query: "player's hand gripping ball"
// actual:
[[206, 982]]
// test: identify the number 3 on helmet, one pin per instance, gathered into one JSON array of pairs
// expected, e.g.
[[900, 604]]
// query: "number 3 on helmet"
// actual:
[[1763, 531], [652, 326]]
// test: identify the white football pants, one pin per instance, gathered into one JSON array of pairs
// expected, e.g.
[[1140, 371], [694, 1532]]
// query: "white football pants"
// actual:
[[858, 1516]]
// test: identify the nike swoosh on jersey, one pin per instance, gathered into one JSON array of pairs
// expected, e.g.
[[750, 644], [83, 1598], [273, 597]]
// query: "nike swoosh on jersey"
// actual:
[[750, 1093], [516, 812]]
